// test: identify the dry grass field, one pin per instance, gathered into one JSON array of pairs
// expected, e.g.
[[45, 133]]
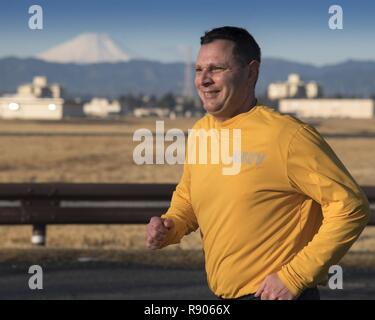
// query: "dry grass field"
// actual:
[[99, 152]]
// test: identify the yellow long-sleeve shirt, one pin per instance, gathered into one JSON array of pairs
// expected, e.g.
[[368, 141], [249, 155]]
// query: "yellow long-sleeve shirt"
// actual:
[[293, 208]]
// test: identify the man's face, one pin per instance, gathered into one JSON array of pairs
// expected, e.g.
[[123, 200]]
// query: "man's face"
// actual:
[[223, 83]]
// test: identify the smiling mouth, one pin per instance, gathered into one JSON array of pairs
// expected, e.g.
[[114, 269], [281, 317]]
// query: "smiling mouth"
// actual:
[[210, 94]]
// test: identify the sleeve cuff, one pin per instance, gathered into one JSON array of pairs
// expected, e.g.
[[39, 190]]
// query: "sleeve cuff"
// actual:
[[291, 287]]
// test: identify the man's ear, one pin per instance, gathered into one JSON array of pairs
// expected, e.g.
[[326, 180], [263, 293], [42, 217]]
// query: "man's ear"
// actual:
[[253, 70]]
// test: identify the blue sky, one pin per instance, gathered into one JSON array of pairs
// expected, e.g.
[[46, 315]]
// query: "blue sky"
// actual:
[[159, 29]]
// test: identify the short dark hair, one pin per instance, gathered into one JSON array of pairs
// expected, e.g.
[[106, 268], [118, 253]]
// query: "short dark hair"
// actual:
[[246, 48]]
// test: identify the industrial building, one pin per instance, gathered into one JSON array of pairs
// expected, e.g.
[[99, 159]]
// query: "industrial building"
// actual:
[[294, 87], [102, 108], [34, 101], [329, 108]]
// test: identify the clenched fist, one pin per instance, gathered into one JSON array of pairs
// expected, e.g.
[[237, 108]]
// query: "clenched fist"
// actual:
[[157, 231]]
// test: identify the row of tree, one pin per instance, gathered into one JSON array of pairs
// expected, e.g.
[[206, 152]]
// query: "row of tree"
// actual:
[[168, 101]]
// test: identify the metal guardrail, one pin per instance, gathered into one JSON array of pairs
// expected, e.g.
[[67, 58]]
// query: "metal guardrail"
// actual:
[[82, 203], [41, 204]]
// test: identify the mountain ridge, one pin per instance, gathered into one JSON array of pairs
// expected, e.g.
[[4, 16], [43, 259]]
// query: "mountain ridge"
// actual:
[[348, 78]]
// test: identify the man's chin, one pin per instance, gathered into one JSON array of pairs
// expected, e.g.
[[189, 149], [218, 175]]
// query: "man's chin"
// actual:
[[214, 110], [218, 112]]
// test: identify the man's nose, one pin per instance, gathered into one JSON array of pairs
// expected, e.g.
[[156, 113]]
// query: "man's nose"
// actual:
[[206, 78]]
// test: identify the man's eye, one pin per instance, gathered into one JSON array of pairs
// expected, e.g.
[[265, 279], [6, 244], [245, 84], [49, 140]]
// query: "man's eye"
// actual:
[[216, 69], [198, 70]]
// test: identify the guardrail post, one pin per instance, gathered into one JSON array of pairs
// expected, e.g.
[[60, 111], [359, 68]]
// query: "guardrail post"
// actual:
[[38, 237]]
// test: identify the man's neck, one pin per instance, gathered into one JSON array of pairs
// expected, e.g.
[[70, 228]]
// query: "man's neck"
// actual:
[[246, 108]]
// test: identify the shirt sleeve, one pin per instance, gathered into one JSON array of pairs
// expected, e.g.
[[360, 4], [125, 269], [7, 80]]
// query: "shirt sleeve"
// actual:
[[314, 170], [181, 211]]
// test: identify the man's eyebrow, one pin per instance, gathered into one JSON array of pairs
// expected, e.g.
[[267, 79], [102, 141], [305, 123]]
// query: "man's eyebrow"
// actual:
[[212, 65]]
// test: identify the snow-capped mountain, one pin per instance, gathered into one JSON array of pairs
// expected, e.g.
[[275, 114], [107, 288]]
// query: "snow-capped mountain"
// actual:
[[86, 48]]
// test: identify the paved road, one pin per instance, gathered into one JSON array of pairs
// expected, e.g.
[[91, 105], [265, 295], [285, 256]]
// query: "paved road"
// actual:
[[116, 280], [104, 281]]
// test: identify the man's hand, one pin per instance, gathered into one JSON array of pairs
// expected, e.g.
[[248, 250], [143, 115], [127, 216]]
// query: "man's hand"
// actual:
[[272, 288], [157, 230]]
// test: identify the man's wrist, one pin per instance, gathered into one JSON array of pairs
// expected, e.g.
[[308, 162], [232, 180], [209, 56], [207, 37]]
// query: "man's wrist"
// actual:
[[296, 291]]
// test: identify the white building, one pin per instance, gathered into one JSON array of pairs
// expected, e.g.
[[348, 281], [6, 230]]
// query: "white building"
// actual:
[[99, 107], [151, 112], [34, 101], [329, 108], [293, 88]]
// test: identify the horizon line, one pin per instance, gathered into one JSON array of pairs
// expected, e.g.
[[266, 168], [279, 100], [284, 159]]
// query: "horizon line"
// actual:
[[312, 64]]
